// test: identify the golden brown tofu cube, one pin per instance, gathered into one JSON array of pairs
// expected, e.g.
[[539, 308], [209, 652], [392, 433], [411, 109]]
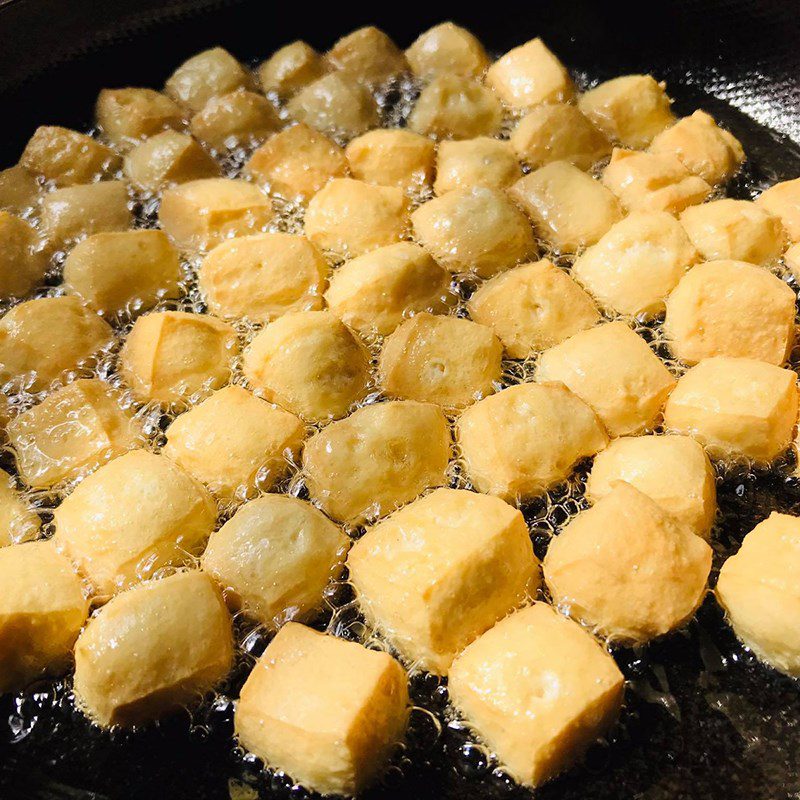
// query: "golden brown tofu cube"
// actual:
[[392, 158], [127, 116], [447, 49], [208, 74], [783, 200], [18, 520], [791, 259], [19, 190], [241, 118], [369, 55], [22, 262], [291, 68], [475, 162]]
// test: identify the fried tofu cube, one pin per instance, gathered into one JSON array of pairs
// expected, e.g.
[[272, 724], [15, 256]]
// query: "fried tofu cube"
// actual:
[[335, 104], [18, 521], [538, 690], [783, 200], [296, 163], [628, 393], [730, 308], [233, 442], [568, 208], [653, 182], [439, 572], [153, 650], [630, 110], [349, 217], [672, 470], [42, 339], [310, 364], [533, 307], [291, 68], [127, 116], [208, 74], [19, 190], [233, 120], [200, 214], [22, 263], [558, 132], [375, 292], [637, 263], [135, 515], [369, 55], [123, 272], [173, 356], [333, 736], [445, 360], [455, 107], [263, 276], [529, 75], [758, 590], [71, 433], [522, 441], [705, 149], [627, 568], [734, 229], [447, 49], [392, 158], [274, 559], [475, 162], [67, 157], [474, 230], [381, 456], [42, 609], [736, 408], [791, 258]]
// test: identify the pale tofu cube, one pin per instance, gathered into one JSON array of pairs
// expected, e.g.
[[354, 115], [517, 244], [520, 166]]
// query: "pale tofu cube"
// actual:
[[533, 307], [630, 110], [135, 515], [200, 214], [349, 217], [309, 363], [66, 157], [568, 208], [538, 690], [447, 48], [369, 55], [381, 456], [736, 408], [41, 340], [445, 360], [783, 200], [22, 264], [262, 276], [153, 650], [758, 590], [336, 104], [522, 441], [559, 132], [19, 190], [672, 470], [439, 572], [634, 267], [455, 107], [332, 736], [42, 609], [734, 229], [730, 308], [241, 118], [613, 370], [375, 292], [474, 230], [208, 74], [275, 558], [392, 158], [71, 433], [291, 68], [529, 75], [628, 569], [475, 162], [653, 182], [127, 116], [705, 149], [18, 521], [791, 258], [173, 356], [296, 163], [123, 272]]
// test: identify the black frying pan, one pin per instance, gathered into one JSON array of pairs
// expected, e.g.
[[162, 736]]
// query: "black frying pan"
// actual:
[[702, 718]]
